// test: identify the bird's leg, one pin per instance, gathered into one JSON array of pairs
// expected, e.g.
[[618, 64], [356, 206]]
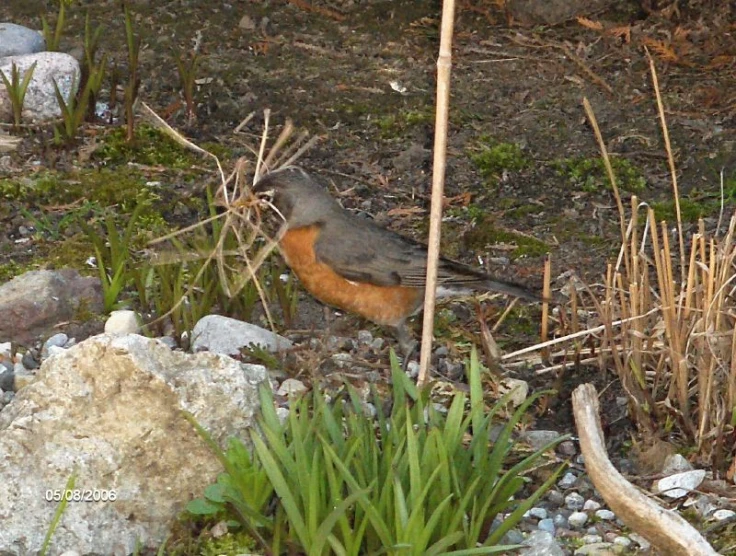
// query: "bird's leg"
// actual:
[[407, 343]]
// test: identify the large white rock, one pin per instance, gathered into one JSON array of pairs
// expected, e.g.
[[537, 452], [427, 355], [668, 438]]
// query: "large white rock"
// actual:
[[111, 409], [40, 102]]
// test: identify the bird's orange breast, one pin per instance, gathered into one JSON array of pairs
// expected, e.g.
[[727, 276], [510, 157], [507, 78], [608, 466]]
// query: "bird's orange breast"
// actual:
[[386, 305]]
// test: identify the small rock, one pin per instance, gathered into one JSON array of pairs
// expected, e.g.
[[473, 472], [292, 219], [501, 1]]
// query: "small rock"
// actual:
[[168, 341], [378, 343], [546, 525], [559, 520], [538, 439], [567, 448], [622, 541], [16, 40], [29, 361], [641, 541], [541, 543], [605, 515], [412, 369], [720, 515], [57, 340], [7, 380], [567, 481], [70, 553], [591, 505], [283, 414], [555, 498], [122, 322], [246, 23], [291, 387], [6, 350], [365, 337], [441, 351], [342, 360], [596, 549], [574, 501], [538, 513], [676, 463], [228, 336], [591, 539], [577, 519], [680, 484], [519, 390], [513, 536]]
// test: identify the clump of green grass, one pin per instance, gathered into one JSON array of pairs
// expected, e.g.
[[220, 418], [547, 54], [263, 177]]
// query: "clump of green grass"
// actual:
[[332, 479]]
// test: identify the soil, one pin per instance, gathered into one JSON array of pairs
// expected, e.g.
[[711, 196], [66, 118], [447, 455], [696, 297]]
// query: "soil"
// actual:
[[361, 75]]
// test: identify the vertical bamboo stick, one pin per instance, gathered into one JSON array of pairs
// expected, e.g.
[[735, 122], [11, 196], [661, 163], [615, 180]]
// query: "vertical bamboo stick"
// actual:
[[444, 65]]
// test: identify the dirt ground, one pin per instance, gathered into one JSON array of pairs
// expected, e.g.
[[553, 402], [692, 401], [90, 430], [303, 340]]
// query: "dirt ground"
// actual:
[[362, 76]]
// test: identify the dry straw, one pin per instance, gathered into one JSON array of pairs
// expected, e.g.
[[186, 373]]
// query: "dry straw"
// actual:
[[240, 216], [666, 323]]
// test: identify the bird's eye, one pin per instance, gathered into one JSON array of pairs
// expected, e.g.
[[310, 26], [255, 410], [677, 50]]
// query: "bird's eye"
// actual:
[[265, 196]]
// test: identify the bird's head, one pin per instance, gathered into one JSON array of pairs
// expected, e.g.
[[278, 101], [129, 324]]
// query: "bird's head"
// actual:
[[295, 195]]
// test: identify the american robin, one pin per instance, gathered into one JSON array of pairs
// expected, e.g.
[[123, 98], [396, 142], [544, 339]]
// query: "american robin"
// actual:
[[356, 265]]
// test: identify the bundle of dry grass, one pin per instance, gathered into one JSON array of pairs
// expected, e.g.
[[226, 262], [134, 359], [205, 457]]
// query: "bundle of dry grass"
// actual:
[[241, 242], [671, 340]]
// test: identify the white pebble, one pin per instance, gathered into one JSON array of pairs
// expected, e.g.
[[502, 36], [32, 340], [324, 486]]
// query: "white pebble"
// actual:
[[605, 515], [591, 506], [122, 322], [577, 519], [720, 515]]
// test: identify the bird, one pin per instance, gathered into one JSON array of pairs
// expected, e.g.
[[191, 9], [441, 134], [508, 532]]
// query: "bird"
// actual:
[[354, 264]]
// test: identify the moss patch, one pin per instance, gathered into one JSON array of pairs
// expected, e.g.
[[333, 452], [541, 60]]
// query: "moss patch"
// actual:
[[493, 158], [589, 174], [486, 233]]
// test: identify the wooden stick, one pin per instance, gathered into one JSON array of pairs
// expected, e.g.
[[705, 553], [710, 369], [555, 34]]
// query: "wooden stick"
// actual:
[[444, 64], [665, 529]]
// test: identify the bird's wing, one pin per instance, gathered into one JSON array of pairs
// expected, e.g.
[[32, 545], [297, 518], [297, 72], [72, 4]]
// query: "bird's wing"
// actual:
[[361, 251]]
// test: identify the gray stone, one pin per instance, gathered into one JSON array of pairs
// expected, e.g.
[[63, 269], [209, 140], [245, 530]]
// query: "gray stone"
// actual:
[[574, 501], [291, 387], [591, 506], [538, 439], [676, 463], [57, 340], [539, 513], [111, 409], [596, 549], [365, 336], [16, 39], [541, 543], [41, 103], [605, 515], [680, 484], [568, 481], [228, 336], [35, 302], [591, 539], [546, 525]]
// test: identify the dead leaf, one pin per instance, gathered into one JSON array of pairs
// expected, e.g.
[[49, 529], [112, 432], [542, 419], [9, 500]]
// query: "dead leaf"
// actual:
[[589, 23]]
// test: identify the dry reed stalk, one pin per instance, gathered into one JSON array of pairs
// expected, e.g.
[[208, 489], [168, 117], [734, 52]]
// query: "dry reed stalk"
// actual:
[[444, 65]]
